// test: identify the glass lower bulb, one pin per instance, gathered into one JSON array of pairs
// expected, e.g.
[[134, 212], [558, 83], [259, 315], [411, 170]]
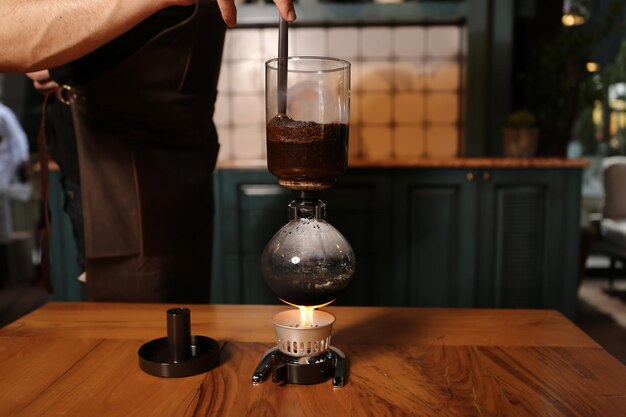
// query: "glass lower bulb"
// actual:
[[308, 262]]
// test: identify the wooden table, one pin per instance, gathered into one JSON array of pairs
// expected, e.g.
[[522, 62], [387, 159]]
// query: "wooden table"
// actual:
[[80, 359]]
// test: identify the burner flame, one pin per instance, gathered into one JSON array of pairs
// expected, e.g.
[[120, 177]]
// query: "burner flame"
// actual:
[[306, 313]]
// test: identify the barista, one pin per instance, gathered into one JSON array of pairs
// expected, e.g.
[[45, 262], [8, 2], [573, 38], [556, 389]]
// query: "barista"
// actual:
[[142, 107], [39, 34]]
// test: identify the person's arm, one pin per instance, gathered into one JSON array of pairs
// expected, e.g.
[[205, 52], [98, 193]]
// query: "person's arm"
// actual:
[[39, 34]]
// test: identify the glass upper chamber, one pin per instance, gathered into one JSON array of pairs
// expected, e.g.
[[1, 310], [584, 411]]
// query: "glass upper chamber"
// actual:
[[307, 141]]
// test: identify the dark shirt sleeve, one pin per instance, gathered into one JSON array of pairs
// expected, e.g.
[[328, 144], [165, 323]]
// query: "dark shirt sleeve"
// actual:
[[115, 52]]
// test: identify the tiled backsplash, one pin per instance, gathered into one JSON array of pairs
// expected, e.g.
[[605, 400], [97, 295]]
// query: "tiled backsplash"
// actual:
[[407, 87]]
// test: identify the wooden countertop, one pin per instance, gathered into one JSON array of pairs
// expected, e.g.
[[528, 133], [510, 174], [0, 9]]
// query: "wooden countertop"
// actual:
[[80, 359], [477, 163]]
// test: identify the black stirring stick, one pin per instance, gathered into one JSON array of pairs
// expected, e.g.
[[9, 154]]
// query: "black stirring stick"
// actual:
[[282, 66]]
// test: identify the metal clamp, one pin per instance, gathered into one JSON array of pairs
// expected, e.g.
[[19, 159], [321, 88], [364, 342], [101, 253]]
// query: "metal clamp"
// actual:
[[63, 94], [339, 377], [264, 366]]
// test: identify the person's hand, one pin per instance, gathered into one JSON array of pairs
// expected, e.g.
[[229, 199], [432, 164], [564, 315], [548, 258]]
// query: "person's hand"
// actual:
[[229, 11], [42, 81], [286, 9]]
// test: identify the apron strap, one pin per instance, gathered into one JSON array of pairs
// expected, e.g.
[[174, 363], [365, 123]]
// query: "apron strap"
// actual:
[[44, 159]]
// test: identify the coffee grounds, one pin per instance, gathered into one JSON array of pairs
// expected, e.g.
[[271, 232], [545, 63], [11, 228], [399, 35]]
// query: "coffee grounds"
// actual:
[[304, 154], [284, 129]]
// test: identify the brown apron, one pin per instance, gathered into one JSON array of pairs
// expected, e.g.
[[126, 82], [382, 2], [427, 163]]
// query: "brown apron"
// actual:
[[147, 147]]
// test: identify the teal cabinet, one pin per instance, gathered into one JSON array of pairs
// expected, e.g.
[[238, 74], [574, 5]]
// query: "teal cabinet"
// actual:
[[453, 237], [422, 237], [64, 269], [434, 237], [250, 208], [529, 233]]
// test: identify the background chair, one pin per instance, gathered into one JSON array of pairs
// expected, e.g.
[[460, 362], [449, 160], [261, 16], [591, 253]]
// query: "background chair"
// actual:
[[613, 222]]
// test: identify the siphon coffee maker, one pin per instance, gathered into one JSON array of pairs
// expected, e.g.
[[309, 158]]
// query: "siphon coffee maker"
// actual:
[[308, 263]]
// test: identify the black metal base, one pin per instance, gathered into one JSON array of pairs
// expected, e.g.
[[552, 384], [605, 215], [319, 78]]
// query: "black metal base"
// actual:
[[305, 371], [179, 354], [155, 358]]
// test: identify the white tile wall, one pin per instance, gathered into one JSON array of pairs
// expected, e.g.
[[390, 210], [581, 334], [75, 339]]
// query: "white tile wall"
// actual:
[[343, 42], [409, 141], [375, 42], [310, 41], [243, 43], [376, 108], [443, 41], [355, 141], [223, 82], [221, 117], [245, 76], [441, 141], [355, 108], [226, 143], [374, 76], [409, 42], [442, 75], [248, 142], [406, 87], [249, 109], [409, 75], [376, 142], [269, 47], [408, 108], [442, 108]]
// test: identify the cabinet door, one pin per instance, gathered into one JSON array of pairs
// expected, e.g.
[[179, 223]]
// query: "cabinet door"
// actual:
[[521, 246], [434, 244], [359, 206], [263, 211], [250, 208]]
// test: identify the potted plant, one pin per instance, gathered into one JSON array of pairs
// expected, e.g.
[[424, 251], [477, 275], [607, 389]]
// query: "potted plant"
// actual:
[[520, 134]]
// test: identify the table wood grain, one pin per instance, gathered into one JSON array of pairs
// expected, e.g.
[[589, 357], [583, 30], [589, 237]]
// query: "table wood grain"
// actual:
[[80, 359], [432, 162]]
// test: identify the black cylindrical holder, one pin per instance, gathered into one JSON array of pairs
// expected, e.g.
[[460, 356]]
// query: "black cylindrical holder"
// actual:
[[179, 334], [179, 354]]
